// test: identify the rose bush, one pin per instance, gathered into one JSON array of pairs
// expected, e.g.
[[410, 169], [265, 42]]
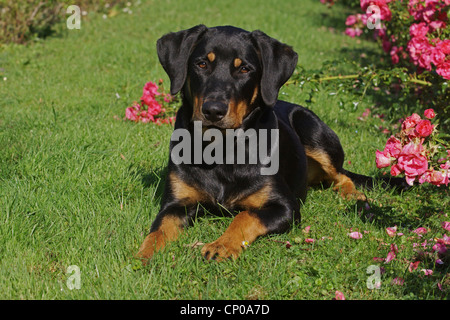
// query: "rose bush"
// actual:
[[416, 152], [415, 35], [423, 21]]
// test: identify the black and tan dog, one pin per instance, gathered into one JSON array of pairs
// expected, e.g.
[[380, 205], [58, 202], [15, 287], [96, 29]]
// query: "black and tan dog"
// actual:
[[230, 78]]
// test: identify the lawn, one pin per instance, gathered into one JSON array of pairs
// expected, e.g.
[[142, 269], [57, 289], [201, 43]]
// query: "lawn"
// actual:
[[79, 186]]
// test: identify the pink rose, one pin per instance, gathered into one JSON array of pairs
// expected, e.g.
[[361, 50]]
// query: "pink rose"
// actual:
[[414, 165], [411, 121], [353, 32], [132, 113], [393, 147], [412, 148], [146, 117], [385, 13], [437, 178], [412, 162], [425, 177], [363, 18], [444, 46], [395, 170], [424, 128], [410, 180], [420, 51], [429, 113], [351, 20], [149, 92], [151, 88], [154, 108], [437, 56], [443, 70], [425, 57], [425, 10], [418, 29], [437, 24], [446, 165], [382, 159]]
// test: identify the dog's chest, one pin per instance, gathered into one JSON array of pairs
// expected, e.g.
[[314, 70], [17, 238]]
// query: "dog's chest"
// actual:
[[234, 188]]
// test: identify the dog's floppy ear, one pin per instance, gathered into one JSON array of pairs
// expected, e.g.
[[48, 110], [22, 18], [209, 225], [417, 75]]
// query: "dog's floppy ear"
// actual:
[[174, 50], [278, 63]]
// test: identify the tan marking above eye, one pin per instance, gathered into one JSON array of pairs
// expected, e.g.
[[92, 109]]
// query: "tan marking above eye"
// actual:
[[237, 62], [211, 56]]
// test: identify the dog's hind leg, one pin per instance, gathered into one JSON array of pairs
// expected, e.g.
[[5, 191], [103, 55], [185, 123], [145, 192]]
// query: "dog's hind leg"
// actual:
[[321, 169]]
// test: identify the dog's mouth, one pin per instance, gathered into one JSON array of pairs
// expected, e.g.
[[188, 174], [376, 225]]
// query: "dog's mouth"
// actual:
[[226, 116], [220, 125], [224, 123]]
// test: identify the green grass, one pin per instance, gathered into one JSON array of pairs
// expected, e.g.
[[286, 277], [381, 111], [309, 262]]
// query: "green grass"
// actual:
[[79, 187]]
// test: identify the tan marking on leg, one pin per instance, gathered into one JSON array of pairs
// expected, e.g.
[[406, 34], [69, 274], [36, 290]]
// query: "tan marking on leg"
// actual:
[[256, 200], [315, 172], [243, 230], [184, 193], [320, 169], [345, 186], [168, 231]]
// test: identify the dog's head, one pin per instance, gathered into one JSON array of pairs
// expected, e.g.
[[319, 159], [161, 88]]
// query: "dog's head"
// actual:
[[225, 72]]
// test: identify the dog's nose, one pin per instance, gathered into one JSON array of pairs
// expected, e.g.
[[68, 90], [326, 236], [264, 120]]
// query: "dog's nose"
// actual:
[[214, 111]]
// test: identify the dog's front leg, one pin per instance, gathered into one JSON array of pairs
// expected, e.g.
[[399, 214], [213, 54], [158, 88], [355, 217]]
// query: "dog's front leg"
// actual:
[[245, 228], [178, 207], [166, 228]]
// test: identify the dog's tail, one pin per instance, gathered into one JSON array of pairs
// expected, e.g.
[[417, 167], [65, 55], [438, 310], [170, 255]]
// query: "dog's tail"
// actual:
[[368, 183]]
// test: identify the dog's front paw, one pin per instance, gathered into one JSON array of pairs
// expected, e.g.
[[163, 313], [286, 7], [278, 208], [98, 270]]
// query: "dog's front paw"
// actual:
[[221, 249]]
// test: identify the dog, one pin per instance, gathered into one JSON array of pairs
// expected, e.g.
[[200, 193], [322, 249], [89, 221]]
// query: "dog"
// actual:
[[230, 78]]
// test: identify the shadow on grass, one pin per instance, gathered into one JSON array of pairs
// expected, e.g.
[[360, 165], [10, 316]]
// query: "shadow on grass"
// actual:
[[153, 179], [411, 208], [389, 216]]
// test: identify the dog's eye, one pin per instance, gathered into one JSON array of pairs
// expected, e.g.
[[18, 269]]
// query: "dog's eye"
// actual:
[[244, 69], [202, 64]]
